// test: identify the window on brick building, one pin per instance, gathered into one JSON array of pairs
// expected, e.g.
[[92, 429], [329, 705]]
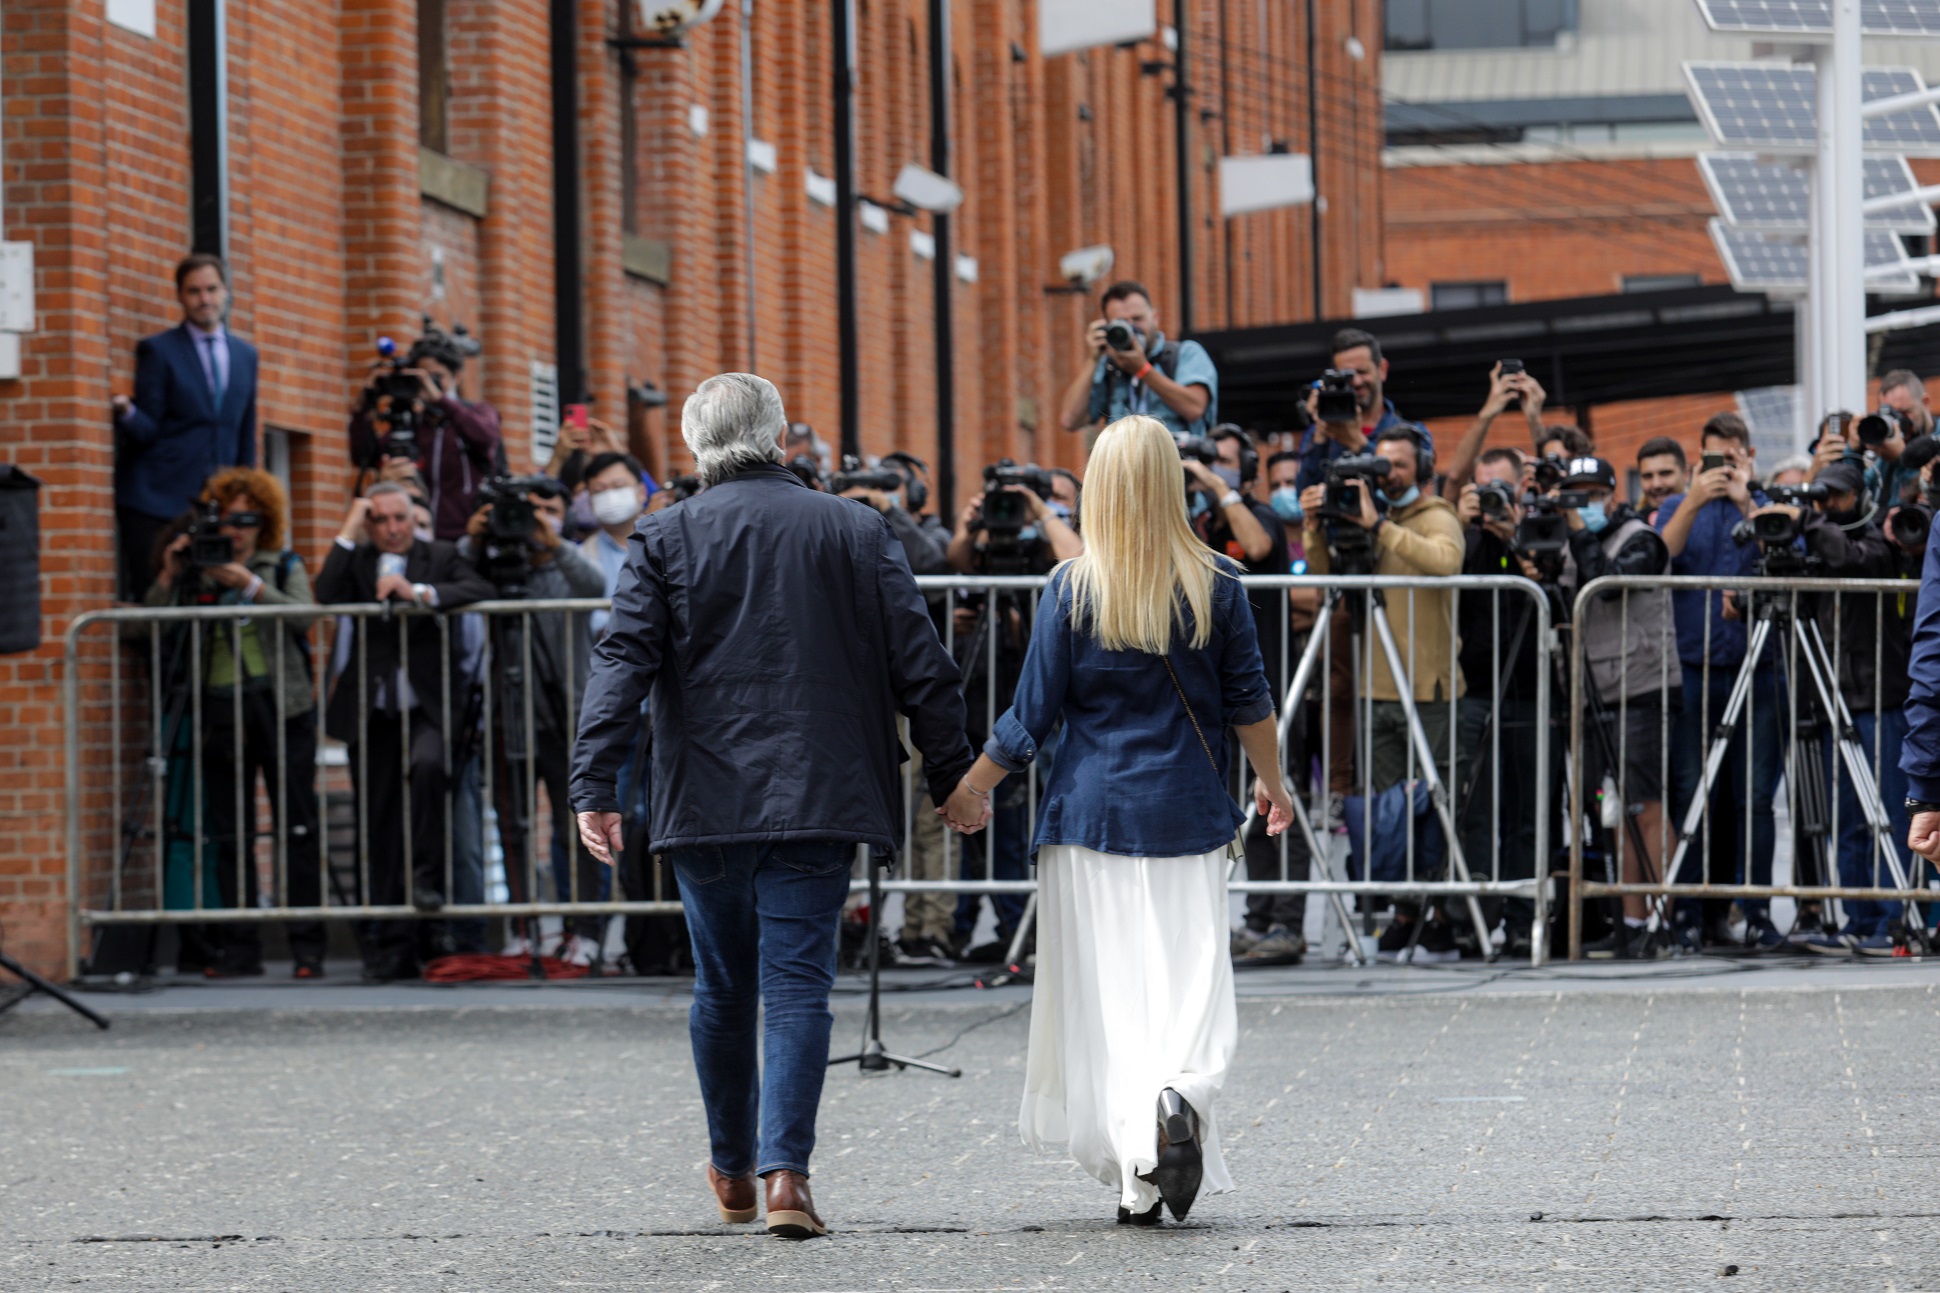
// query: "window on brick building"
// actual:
[[434, 78], [1466, 296], [1477, 24]]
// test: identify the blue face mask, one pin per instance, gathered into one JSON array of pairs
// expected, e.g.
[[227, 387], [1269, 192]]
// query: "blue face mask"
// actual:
[[1060, 511], [1594, 517], [1286, 503], [1196, 505], [1408, 499]]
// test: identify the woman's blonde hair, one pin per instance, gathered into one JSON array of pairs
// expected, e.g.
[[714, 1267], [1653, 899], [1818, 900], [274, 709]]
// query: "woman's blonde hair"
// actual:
[[1142, 565]]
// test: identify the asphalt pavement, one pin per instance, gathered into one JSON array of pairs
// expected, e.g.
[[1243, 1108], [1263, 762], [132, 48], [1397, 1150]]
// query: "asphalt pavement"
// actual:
[[1478, 1127]]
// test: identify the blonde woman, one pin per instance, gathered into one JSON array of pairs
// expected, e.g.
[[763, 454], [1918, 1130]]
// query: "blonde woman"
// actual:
[[1145, 648]]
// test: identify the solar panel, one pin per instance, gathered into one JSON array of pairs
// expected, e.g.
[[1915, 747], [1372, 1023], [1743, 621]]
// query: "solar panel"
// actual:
[[1775, 262], [1808, 17], [1754, 194], [1772, 107], [1771, 414]]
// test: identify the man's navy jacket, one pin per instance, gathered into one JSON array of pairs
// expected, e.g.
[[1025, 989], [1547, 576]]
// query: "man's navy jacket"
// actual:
[[1920, 755], [780, 633], [174, 437]]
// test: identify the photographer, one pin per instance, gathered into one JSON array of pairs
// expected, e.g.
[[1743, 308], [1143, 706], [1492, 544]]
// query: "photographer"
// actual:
[[1231, 520], [377, 558], [1500, 773], [233, 555], [887, 488], [1348, 406], [1662, 471], [452, 444], [1904, 413], [522, 552], [1416, 535], [1042, 541], [1508, 384], [1697, 529], [1636, 681], [1872, 636], [1129, 366]]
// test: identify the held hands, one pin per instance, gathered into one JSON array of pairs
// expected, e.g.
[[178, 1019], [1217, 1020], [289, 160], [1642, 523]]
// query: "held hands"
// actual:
[[966, 811], [1274, 804], [602, 836]]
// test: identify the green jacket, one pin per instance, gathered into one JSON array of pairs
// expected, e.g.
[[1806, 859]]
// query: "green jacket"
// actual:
[[259, 648]]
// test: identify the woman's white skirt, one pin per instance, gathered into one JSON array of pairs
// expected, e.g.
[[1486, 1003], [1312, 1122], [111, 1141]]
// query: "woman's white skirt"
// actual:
[[1134, 994]]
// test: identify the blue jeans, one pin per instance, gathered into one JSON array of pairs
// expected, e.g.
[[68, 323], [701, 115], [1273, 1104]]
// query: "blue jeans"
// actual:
[[1742, 780], [1856, 854], [764, 919]]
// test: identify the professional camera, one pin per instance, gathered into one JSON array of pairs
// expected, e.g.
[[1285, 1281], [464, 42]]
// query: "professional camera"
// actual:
[[682, 488], [1911, 525], [505, 555], [1346, 478], [855, 476], [209, 544], [1336, 401], [1544, 533], [1497, 500], [1120, 335], [1198, 448], [1003, 517], [1878, 427], [1550, 472]]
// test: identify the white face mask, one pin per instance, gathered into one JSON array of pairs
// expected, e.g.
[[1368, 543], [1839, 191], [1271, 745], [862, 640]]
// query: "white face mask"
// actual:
[[555, 523], [617, 506]]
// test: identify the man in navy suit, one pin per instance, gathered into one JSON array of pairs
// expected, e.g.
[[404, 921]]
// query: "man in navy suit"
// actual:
[[193, 413]]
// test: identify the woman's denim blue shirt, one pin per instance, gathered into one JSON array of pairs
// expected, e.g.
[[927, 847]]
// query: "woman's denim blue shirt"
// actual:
[[1130, 776]]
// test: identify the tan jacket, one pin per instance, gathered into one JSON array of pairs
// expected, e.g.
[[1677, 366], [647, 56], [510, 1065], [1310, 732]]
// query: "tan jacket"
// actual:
[[1424, 538]]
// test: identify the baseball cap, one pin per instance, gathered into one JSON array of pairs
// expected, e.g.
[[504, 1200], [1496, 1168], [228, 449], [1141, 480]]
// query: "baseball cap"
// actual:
[[1591, 471]]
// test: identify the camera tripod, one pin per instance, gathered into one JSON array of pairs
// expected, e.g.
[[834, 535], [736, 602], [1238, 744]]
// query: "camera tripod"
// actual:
[[1418, 736], [1774, 612], [874, 1057]]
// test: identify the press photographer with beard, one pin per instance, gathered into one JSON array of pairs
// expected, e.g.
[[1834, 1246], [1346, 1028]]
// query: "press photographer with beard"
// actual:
[[1173, 381], [457, 442], [1416, 534], [1873, 638], [1357, 353]]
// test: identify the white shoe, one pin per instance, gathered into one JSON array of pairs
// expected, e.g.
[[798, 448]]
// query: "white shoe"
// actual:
[[579, 951], [517, 945]]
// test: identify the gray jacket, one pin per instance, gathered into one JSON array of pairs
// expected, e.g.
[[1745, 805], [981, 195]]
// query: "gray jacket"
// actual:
[[1628, 636]]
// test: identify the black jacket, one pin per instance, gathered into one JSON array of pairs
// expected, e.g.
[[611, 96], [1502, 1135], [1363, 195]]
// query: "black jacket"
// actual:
[[780, 633], [350, 576], [1488, 622], [1871, 633]]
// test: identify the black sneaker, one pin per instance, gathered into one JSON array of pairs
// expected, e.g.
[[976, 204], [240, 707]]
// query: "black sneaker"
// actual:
[[1394, 940], [1613, 946], [1648, 945], [919, 951], [1437, 943]]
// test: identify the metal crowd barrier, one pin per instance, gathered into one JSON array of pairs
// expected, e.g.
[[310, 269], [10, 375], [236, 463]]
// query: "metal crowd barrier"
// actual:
[[1791, 707], [142, 848]]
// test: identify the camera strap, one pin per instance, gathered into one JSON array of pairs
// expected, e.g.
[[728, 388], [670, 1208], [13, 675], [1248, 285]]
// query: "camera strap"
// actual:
[[1232, 846]]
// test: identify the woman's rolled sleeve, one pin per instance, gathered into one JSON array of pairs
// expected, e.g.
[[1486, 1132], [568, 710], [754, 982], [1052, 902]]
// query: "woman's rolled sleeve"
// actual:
[[1243, 690], [1039, 699]]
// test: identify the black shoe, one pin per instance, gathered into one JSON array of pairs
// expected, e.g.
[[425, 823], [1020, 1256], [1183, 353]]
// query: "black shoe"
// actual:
[[1437, 942], [991, 953], [1517, 945], [1182, 1163], [427, 899], [390, 971], [1394, 939], [1648, 945], [919, 951], [1149, 1217], [1613, 946]]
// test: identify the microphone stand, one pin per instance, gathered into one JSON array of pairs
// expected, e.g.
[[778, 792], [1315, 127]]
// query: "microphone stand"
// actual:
[[874, 1057]]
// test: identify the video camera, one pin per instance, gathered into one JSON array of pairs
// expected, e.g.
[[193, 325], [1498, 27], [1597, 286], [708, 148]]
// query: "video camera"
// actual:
[[1544, 534], [1120, 335], [505, 556], [1004, 516], [1912, 524], [209, 544], [682, 488], [855, 476], [1350, 546], [1336, 401], [1769, 528], [404, 413], [1550, 471]]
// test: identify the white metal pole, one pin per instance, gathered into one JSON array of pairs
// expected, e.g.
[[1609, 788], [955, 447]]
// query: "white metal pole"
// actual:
[[1841, 143]]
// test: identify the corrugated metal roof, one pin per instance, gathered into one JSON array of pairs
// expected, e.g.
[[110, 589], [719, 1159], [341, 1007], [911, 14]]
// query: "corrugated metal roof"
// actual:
[[1622, 47]]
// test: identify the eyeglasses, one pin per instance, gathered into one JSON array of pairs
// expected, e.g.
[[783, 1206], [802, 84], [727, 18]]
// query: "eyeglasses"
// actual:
[[241, 520]]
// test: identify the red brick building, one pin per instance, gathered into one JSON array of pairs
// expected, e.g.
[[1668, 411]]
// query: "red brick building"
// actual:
[[385, 158]]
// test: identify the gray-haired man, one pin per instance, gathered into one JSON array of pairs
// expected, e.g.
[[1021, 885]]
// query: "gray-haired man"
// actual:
[[780, 632]]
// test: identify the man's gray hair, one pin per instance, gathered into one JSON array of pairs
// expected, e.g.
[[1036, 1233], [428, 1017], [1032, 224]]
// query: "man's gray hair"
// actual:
[[384, 487], [731, 422]]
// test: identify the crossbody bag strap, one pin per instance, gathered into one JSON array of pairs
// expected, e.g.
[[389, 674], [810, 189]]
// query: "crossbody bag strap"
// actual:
[[1196, 729]]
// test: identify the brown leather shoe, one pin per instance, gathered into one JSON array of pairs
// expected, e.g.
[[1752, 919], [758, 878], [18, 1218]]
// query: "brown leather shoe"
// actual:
[[734, 1195], [791, 1211]]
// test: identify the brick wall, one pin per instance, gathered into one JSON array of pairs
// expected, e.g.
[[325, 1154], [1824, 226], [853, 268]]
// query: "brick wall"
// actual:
[[332, 244]]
